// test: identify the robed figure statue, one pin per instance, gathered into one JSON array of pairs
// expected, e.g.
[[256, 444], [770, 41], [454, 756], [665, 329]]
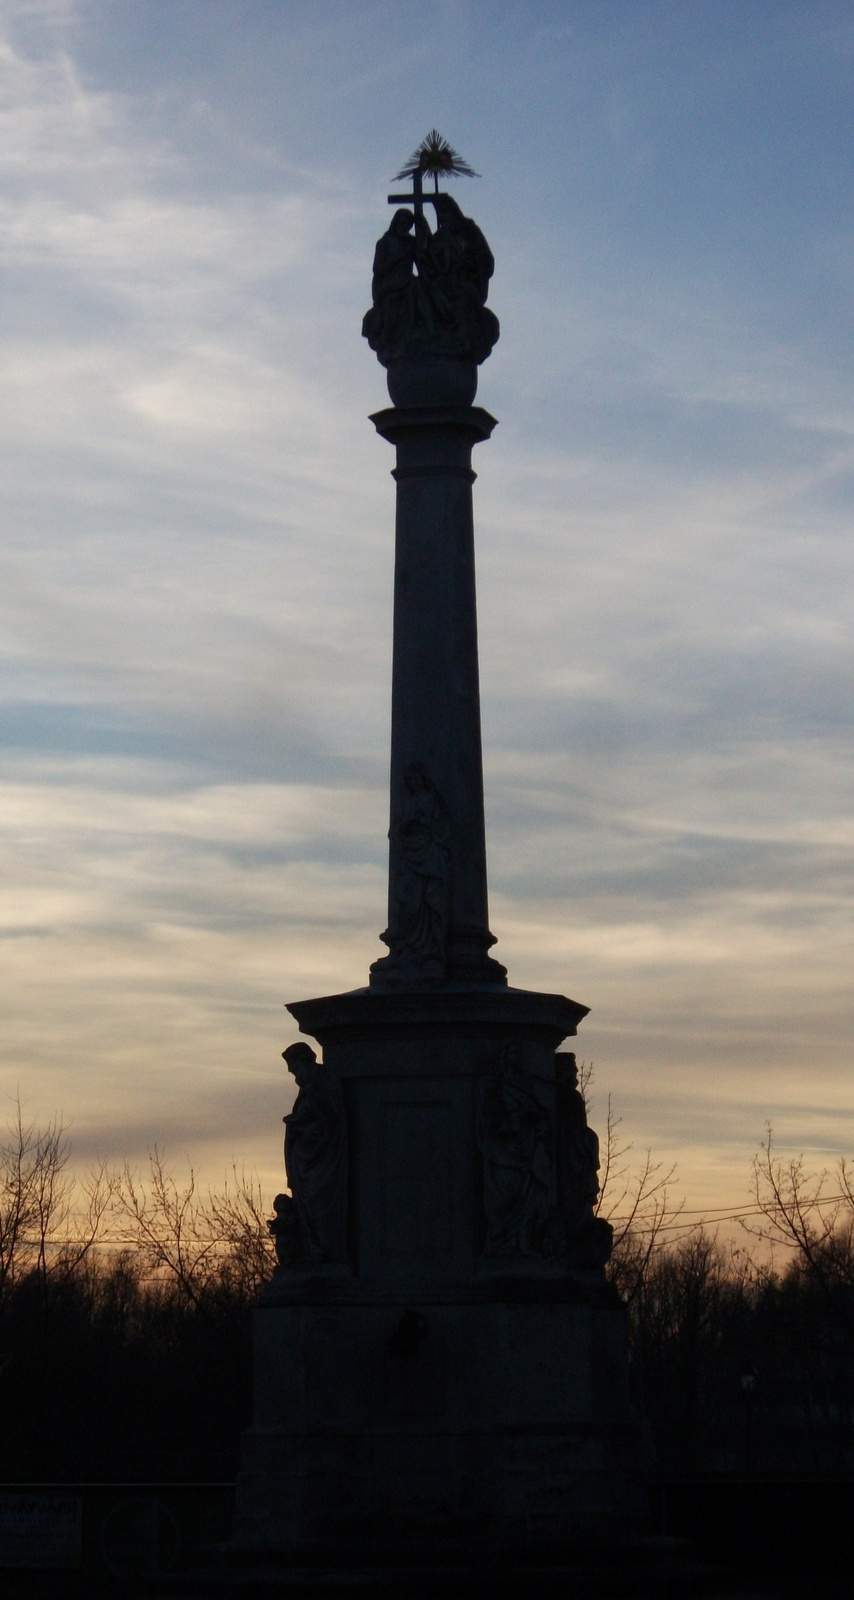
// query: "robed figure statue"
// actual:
[[588, 1237], [429, 288], [310, 1226], [420, 837], [514, 1137]]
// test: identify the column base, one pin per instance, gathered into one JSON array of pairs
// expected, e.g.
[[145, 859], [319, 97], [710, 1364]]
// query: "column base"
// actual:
[[467, 962]]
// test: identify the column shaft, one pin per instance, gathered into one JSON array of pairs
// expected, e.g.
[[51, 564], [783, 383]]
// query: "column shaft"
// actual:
[[438, 926]]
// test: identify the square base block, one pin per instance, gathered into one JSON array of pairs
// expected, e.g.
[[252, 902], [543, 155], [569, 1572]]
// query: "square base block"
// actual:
[[384, 1424]]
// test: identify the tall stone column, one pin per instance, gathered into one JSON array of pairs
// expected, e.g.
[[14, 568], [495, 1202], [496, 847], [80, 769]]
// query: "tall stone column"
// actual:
[[438, 928], [440, 1361]]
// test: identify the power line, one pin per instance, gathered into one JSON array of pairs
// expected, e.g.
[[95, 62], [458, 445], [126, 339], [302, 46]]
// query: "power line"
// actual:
[[721, 1216], [675, 1224]]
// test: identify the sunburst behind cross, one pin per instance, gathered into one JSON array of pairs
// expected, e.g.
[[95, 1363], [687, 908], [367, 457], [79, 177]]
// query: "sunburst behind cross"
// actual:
[[436, 158]]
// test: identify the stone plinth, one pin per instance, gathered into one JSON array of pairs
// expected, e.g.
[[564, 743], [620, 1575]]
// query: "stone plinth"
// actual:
[[508, 1417], [449, 1377]]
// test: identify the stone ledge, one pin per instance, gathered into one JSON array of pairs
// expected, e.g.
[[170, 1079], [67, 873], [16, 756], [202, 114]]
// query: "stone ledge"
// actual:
[[579, 1287], [456, 1009], [398, 421]]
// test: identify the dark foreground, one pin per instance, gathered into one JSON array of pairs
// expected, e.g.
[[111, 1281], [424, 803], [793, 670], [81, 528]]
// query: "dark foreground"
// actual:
[[720, 1539]]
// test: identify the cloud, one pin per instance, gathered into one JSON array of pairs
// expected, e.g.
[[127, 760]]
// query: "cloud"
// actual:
[[195, 579]]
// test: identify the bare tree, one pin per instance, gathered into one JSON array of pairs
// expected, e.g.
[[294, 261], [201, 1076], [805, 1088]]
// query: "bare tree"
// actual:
[[811, 1216], [49, 1221], [809, 1213], [191, 1240], [240, 1215], [635, 1197]]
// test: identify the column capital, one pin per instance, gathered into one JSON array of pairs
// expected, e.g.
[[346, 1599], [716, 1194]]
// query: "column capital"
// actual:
[[397, 423]]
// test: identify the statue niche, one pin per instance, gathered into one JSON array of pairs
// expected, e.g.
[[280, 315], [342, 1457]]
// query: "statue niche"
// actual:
[[429, 289], [514, 1135], [420, 877], [540, 1175], [310, 1225]]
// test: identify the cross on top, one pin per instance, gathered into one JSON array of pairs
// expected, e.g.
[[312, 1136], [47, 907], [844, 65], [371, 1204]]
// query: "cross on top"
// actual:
[[417, 198]]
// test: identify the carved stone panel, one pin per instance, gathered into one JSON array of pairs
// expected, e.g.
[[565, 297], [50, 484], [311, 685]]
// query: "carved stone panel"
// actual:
[[515, 1138], [413, 1191], [416, 1183]]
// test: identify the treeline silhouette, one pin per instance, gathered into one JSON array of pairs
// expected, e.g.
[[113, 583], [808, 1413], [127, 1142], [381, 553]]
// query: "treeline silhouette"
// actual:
[[125, 1310], [742, 1353]]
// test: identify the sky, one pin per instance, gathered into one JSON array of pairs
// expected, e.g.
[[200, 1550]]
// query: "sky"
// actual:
[[197, 543]]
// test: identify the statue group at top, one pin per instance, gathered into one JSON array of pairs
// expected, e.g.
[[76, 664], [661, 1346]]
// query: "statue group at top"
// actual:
[[429, 287]]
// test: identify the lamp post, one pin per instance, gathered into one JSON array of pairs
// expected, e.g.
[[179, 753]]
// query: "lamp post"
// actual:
[[748, 1391]]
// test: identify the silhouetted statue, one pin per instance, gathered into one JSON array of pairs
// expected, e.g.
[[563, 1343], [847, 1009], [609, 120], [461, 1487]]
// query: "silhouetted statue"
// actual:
[[420, 875], [429, 289], [316, 1165], [393, 283], [514, 1137], [588, 1238], [285, 1230], [456, 264]]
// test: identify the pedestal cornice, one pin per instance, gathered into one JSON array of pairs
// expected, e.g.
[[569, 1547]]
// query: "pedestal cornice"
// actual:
[[487, 1010]]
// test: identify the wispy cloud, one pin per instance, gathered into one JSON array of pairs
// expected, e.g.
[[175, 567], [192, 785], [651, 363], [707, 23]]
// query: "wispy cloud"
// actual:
[[195, 574]]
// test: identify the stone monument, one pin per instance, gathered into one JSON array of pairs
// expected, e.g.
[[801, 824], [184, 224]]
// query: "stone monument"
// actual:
[[439, 1355]]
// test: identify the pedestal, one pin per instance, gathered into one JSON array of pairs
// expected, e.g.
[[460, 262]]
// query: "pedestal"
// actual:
[[460, 1376]]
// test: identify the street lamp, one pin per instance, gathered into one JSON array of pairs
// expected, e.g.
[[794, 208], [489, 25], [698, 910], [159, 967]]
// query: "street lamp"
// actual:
[[748, 1389]]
